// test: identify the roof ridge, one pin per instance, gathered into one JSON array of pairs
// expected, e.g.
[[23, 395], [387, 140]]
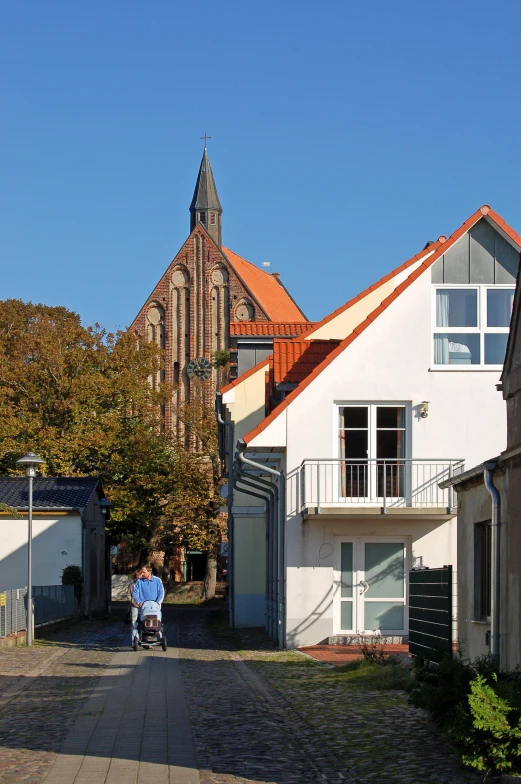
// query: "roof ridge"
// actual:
[[374, 286], [444, 245]]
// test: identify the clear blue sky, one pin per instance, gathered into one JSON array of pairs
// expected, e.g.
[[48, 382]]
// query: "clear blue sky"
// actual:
[[344, 136]]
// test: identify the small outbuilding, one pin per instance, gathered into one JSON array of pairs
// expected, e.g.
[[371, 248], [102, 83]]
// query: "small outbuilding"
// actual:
[[68, 528]]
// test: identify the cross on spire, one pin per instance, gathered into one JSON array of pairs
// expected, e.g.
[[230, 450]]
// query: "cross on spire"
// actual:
[[205, 137]]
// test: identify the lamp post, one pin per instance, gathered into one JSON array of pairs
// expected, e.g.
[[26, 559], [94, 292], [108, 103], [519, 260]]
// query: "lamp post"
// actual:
[[30, 461]]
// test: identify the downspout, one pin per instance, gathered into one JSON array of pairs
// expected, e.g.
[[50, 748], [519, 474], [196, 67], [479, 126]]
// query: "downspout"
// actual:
[[280, 529], [228, 451], [495, 556], [268, 500]]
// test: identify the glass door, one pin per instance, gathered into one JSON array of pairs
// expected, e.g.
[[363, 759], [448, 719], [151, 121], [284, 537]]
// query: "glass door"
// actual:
[[347, 587], [371, 588], [382, 577], [354, 452]]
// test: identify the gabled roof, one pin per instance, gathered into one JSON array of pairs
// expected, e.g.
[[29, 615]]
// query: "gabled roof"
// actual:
[[430, 248], [49, 492], [272, 328], [443, 246], [294, 360], [266, 289]]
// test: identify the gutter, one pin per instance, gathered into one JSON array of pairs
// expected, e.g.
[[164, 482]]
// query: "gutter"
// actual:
[[477, 471]]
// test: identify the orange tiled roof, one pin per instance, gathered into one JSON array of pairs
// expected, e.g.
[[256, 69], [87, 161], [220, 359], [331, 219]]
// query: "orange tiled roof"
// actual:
[[280, 329], [444, 245], [266, 289], [294, 360]]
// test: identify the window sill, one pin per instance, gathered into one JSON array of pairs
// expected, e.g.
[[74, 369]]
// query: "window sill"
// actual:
[[483, 623], [466, 369]]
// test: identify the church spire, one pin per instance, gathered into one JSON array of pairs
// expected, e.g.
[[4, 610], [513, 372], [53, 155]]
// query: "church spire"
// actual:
[[206, 207]]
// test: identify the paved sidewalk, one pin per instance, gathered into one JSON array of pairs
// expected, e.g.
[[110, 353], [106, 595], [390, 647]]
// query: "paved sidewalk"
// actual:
[[134, 727]]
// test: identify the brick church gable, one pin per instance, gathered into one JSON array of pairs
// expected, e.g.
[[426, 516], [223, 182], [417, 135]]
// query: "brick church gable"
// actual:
[[204, 289]]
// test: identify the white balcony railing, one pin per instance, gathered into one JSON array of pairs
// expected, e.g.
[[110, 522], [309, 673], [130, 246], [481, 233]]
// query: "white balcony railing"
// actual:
[[379, 483]]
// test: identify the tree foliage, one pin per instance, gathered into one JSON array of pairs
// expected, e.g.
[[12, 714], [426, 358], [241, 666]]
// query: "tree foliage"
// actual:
[[82, 399]]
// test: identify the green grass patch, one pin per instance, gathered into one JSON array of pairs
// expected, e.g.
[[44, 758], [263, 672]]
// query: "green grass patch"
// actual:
[[362, 674]]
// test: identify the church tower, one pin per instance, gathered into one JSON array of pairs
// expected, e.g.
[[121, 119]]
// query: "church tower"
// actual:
[[206, 207]]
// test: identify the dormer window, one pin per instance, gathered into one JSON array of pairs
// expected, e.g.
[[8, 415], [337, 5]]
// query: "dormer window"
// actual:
[[212, 219], [202, 217]]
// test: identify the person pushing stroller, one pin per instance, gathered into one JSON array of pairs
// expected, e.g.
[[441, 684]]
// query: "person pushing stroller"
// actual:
[[147, 588]]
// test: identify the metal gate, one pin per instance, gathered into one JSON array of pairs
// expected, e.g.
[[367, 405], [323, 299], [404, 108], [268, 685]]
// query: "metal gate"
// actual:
[[430, 613]]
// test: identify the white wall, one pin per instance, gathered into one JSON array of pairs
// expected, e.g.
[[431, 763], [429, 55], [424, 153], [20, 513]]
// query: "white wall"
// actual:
[[56, 544], [389, 361]]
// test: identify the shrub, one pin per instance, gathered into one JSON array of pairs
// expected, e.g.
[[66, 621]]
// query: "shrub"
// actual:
[[478, 708], [71, 575]]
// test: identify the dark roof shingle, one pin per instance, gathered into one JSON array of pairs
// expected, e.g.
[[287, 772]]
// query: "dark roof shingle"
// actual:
[[49, 492]]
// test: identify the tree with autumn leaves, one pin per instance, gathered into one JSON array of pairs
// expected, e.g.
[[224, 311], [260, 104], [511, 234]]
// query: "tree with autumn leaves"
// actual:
[[81, 398]]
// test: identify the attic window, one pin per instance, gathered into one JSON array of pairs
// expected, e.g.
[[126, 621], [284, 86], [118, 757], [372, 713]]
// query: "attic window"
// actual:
[[202, 217], [212, 219]]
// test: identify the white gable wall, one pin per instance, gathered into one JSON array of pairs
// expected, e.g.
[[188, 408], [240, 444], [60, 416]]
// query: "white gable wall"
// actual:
[[389, 362]]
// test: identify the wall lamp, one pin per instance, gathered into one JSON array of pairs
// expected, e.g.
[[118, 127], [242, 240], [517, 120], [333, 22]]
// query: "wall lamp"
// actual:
[[424, 410]]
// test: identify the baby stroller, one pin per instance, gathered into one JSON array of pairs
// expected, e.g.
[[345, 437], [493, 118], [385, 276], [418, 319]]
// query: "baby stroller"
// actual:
[[150, 627]]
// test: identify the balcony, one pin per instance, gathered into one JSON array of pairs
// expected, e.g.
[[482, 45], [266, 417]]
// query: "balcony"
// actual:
[[375, 487]]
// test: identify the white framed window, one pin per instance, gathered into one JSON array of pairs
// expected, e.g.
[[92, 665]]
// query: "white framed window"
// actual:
[[372, 448], [471, 325]]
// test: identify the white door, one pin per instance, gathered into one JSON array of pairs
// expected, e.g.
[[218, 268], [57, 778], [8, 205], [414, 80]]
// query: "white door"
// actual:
[[371, 586], [372, 452]]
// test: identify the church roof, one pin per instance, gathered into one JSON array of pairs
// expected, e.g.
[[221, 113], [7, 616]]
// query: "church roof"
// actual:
[[271, 328], [205, 193], [445, 244], [266, 289]]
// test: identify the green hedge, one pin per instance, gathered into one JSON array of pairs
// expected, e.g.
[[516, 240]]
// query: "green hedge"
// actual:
[[478, 707]]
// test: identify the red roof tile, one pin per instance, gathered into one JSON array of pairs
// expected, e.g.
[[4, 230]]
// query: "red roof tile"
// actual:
[[271, 295], [293, 361], [276, 328], [442, 247]]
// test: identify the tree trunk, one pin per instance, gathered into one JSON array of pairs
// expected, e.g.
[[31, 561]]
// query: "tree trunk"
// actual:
[[166, 564], [146, 552], [211, 575]]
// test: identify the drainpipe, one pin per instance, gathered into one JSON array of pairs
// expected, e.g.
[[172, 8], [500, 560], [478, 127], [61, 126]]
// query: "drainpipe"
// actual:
[[269, 501], [280, 524], [228, 451], [488, 469]]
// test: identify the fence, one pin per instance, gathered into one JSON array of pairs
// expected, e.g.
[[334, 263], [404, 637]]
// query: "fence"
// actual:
[[430, 613], [385, 483], [51, 603]]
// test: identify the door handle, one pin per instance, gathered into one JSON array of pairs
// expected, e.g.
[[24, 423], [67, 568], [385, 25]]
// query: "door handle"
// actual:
[[365, 587]]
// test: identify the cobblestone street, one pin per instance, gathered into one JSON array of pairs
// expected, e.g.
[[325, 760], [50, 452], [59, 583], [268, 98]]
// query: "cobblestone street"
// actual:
[[83, 707]]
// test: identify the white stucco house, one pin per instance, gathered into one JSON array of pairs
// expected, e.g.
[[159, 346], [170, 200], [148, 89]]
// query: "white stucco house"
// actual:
[[68, 528], [351, 428]]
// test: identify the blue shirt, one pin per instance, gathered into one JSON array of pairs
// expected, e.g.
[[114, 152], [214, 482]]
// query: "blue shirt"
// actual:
[[148, 590]]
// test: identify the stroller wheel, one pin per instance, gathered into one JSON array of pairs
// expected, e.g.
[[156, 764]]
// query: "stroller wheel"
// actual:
[[136, 644], [164, 643]]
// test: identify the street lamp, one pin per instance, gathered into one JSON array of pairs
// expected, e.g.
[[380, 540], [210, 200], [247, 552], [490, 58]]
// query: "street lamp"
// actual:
[[30, 461]]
